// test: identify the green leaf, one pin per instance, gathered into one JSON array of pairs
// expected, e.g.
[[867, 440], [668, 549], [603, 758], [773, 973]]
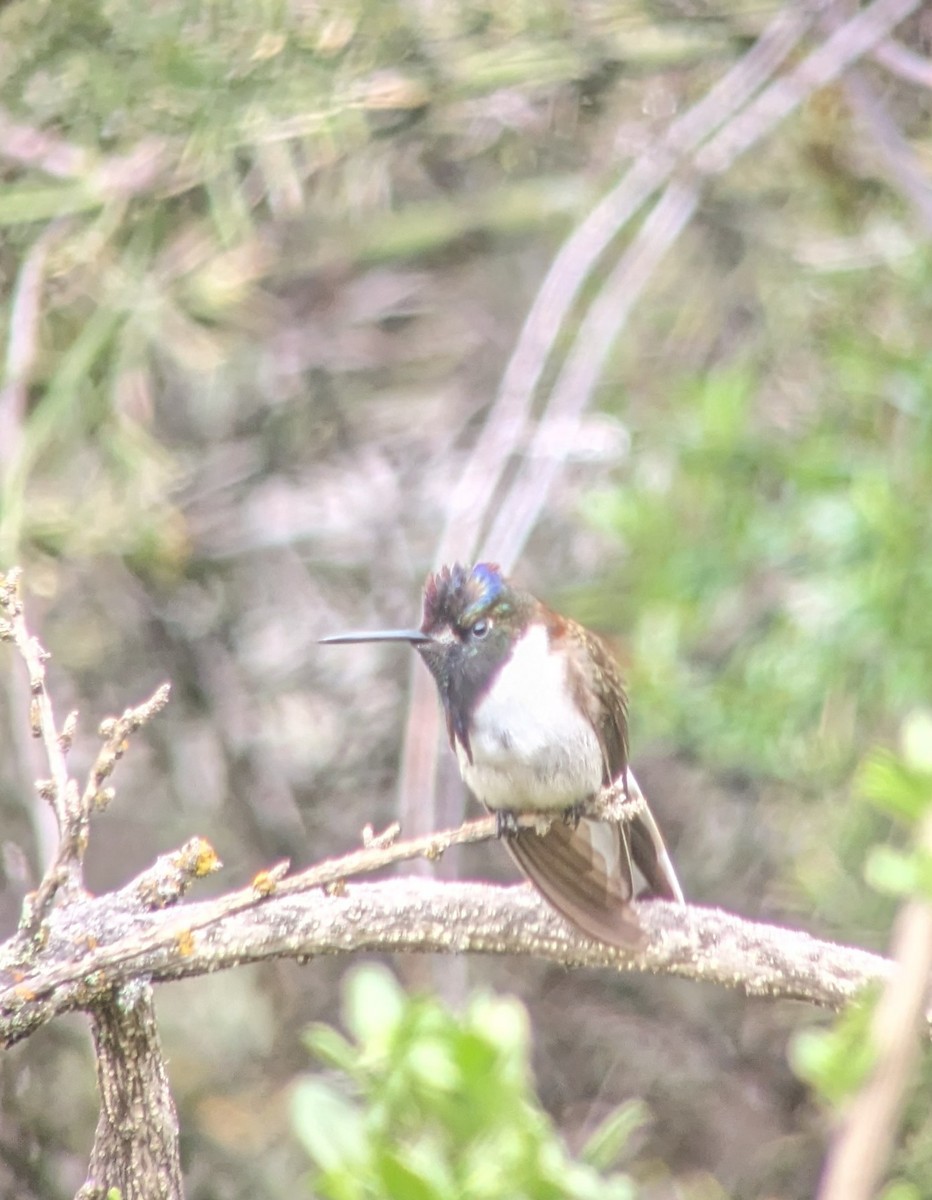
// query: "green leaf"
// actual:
[[583, 1183], [402, 1179], [24, 204], [502, 1021], [916, 740], [48, 418], [836, 1061], [892, 786], [331, 1128], [900, 1189], [892, 872], [605, 1144], [431, 1061], [449, 1110], [899, 873], [373, 1007], [331, 1047]]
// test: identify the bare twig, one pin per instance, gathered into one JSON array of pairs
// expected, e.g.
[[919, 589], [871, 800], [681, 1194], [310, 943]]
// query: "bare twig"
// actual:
[[893, 150], [862, 1150], [60, 790], [72, 808], [136, 1149], [22, 344], [899, 60], [170, 876], [66, 869], [37, 148], [94, 945], [115, 732]]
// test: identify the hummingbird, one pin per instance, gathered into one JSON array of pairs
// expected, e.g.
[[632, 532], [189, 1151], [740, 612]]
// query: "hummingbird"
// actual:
[[536, 713]]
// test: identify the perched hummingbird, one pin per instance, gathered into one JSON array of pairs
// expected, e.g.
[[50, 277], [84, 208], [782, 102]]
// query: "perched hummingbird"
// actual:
[[536, 714]]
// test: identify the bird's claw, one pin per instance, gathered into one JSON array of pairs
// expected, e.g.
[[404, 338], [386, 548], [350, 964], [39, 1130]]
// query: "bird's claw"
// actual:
[[506, 823]]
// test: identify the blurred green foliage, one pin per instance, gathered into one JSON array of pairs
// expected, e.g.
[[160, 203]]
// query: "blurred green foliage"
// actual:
[[778, 606], [426, 1105], [775, 574], [203, 155], [837, 1061]]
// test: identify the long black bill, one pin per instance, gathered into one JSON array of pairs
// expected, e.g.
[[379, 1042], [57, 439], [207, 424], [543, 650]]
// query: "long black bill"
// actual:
[[413, 637]]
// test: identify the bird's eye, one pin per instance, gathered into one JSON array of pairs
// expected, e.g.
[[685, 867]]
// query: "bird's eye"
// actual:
[[480, 629]]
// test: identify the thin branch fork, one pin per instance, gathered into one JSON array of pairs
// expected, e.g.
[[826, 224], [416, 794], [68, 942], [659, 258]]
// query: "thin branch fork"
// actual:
[[136, 1146], [71, 806]]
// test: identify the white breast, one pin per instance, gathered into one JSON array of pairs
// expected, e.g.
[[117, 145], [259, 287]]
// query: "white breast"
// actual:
[[531, 747]]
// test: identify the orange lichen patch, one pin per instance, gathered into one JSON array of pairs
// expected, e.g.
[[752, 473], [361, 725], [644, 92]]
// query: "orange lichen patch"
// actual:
[[206, 860], [266, 882], [197, 858], [337, 888], [91, 942], [185, 943]]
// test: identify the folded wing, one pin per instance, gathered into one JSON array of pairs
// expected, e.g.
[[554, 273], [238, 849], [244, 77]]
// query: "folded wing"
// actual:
[[585, 873]]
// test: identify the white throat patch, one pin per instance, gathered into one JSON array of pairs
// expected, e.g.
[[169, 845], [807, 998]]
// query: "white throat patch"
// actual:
[[532, 748]]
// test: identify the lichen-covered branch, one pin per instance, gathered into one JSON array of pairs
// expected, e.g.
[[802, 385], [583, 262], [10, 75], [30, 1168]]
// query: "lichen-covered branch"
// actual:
[[102, 944], [135, 1151], [96, 945]]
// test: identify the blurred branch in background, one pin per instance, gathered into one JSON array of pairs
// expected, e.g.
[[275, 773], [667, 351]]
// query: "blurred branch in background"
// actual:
[[22, 348], [904, 63], [902, 166], [860, 1156]]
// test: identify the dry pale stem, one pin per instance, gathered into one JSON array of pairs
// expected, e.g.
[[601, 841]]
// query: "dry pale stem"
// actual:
[[862, 1148]]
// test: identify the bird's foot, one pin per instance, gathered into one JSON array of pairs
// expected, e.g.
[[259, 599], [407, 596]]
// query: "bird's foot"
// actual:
[[506, 823]]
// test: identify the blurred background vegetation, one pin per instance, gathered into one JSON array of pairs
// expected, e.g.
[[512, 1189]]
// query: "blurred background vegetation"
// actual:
[[263, 266]]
